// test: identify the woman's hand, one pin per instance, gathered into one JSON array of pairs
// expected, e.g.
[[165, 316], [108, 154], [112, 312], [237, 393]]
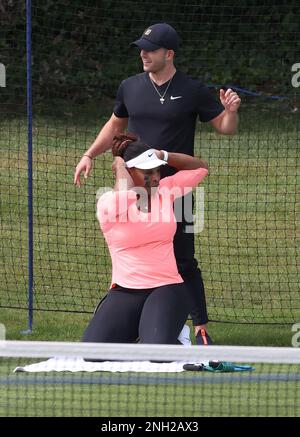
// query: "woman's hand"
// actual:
[[159, 154]]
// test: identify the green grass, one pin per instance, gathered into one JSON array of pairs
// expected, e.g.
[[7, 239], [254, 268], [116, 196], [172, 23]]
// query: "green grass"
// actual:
[[260, 393], [248, 250]]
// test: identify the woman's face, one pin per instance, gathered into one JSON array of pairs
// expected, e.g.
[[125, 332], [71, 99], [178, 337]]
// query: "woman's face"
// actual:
[[148, 179]]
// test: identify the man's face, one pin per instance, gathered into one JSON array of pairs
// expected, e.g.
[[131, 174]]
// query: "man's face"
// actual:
[[154, 61]]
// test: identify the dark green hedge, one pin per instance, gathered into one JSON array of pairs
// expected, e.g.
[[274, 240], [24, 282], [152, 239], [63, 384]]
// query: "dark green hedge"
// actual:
[[80, 48]]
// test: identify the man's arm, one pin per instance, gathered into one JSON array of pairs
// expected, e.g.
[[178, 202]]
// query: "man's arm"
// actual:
[[227, 122], [102, 143]]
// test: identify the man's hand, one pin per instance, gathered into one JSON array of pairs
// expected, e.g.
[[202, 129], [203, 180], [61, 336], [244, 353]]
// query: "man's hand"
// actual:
[[230, 100], [85, 165]]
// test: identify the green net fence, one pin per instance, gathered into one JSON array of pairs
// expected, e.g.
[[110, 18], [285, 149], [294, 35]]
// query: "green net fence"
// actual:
[[248, 251]]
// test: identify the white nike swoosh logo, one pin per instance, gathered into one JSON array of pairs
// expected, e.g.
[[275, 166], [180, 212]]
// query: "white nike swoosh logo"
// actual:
[[176, 97]]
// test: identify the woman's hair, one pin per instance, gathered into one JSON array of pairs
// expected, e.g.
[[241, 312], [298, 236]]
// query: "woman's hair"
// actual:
[[128, 146]]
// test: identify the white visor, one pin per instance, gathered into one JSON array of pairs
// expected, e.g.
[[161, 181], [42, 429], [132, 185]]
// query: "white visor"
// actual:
[[146, 160]]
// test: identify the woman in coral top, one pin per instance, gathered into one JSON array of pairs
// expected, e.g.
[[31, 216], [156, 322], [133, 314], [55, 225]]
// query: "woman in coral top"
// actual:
[[147, 299]]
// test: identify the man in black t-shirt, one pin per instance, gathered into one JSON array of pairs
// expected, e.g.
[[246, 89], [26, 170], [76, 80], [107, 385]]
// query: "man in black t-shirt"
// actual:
[[161, 106]]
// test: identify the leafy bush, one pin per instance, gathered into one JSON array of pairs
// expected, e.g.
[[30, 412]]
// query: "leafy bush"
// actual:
[[80, 49]]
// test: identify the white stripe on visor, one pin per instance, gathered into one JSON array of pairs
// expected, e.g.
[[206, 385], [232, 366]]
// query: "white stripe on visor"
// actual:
[[145, 161]]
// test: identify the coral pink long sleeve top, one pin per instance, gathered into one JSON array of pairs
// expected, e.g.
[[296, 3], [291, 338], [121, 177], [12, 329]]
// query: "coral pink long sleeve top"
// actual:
[[141, 244]]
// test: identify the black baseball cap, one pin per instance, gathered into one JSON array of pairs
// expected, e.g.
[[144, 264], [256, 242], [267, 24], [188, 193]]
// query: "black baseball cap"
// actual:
[[157, 36]]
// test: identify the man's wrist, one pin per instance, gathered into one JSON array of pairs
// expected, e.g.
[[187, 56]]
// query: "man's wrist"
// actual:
[[230, 112], [89, 156]]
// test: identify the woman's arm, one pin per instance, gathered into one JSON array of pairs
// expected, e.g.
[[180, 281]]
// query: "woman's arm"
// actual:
[[181, 161], [123, 181], [191, 172]]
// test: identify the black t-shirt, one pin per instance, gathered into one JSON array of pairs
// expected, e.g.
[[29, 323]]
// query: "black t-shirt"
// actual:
[[169, 126]]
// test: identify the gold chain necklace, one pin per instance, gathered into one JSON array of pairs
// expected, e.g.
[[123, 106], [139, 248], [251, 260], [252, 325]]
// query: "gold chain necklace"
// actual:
[[162, 96]]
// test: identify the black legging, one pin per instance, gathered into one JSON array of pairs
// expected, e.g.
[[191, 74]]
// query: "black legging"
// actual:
[[154, 315]]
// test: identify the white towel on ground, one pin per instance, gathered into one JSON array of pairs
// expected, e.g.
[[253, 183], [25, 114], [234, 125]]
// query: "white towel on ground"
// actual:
[[63, 364]]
